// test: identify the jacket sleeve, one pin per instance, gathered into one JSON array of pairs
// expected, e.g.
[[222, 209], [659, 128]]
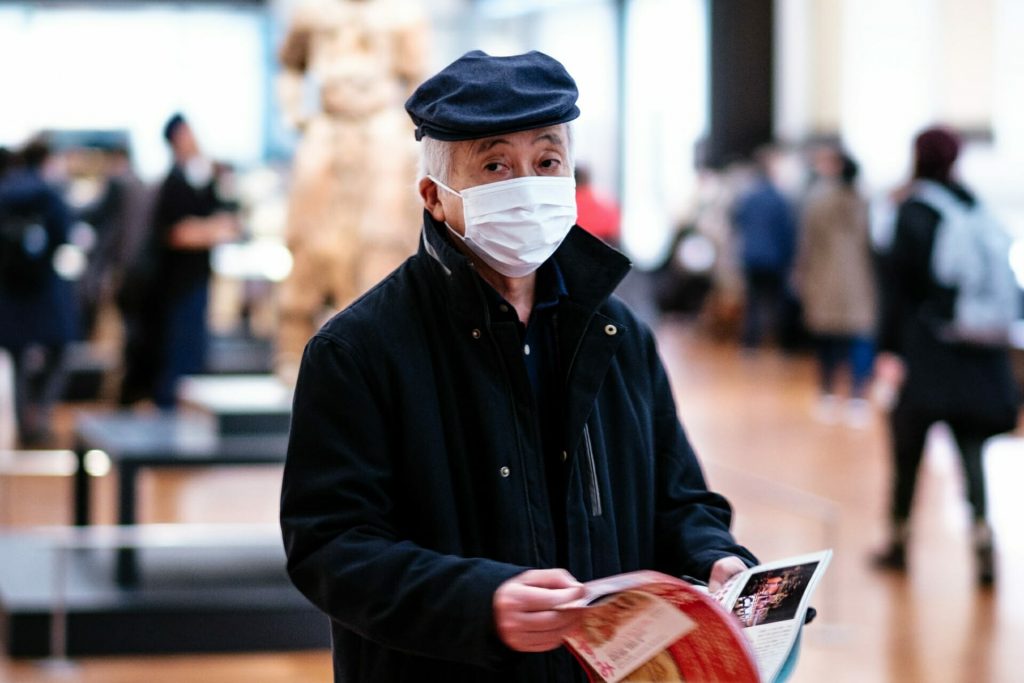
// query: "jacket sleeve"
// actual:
[[345, 550], [692, 522]]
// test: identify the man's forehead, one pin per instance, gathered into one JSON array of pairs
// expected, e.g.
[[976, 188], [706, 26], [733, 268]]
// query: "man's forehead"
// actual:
[[555, 135]]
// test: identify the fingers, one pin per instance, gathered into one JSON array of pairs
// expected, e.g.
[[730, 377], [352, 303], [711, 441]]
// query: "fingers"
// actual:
[[723, 570], [532, 598], [549, 578], [538, 632], [538, 590], [524, 609]]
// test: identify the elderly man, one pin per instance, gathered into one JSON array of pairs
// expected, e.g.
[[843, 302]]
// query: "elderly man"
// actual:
[[488, 427]]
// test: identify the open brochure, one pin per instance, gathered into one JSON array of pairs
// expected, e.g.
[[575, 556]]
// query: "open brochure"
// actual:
[[648, 626]]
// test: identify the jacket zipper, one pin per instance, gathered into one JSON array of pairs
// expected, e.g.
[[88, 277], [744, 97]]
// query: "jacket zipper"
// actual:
[[595, 489]]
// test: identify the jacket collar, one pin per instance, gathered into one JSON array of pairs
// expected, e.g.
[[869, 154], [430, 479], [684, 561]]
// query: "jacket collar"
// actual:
[[591, 269]]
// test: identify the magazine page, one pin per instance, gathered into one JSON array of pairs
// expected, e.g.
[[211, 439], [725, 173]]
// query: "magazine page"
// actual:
[[646, 626], [770, 601]]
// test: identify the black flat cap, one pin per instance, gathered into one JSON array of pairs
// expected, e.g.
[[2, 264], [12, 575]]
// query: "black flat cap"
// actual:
[[478, 96]]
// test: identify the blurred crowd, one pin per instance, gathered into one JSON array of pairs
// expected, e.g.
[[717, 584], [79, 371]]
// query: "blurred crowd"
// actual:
[[782, 251], [93, 257], [779, 253], [911, 304]]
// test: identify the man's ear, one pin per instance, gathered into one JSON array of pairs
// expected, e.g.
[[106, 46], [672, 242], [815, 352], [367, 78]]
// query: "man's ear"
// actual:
[[428, 191]]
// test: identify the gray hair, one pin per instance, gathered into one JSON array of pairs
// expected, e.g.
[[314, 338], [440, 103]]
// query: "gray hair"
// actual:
[[436, 159], [437, 156]]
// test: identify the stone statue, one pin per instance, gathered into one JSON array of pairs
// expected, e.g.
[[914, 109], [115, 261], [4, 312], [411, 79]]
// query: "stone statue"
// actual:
[[353, 213]]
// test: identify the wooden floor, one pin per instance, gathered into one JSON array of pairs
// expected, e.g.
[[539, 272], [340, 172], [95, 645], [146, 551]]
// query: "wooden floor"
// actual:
[[797, 485]]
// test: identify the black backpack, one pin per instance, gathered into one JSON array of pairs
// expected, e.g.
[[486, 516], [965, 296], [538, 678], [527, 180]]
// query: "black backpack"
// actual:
[[26, 249]]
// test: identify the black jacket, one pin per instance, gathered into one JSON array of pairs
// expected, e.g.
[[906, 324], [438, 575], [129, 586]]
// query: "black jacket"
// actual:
[[46, 313], [414, 484], [179, 270], [971, 387]]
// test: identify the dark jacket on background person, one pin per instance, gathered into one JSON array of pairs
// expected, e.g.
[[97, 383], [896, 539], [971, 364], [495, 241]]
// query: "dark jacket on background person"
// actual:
[[181, 269], [415, 482], [121, 219], [45, 314], [767, 226], [154, 273], [971, 386]]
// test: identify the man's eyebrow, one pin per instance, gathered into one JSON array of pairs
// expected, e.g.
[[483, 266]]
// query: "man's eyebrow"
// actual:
[[485, 145], [553, 138]]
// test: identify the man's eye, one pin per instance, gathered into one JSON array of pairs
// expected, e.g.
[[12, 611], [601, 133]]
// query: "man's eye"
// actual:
[[492, 167], [550, 163]]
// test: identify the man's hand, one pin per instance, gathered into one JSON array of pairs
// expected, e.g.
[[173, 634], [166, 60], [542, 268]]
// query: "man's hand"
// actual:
[[723, 570], [203, 233], [224, 227], [524, 609]]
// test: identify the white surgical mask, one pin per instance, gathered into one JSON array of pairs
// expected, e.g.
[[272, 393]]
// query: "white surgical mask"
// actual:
[[516, 225]]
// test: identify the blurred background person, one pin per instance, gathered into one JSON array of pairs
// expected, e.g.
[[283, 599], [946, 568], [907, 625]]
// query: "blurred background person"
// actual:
[[119, 217], [5, 161], [721, 312], [766, 226], [37, 306], [595, 213], [189, 218], [949, 378], [834, 275]]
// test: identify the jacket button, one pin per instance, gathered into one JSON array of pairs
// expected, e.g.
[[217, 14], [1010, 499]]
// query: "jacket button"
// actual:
[[504, 471], [475, 333], [565, 456], [611, 330]]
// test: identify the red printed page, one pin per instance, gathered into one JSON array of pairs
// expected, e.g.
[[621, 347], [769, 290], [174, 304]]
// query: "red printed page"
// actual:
[[652, 627]]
